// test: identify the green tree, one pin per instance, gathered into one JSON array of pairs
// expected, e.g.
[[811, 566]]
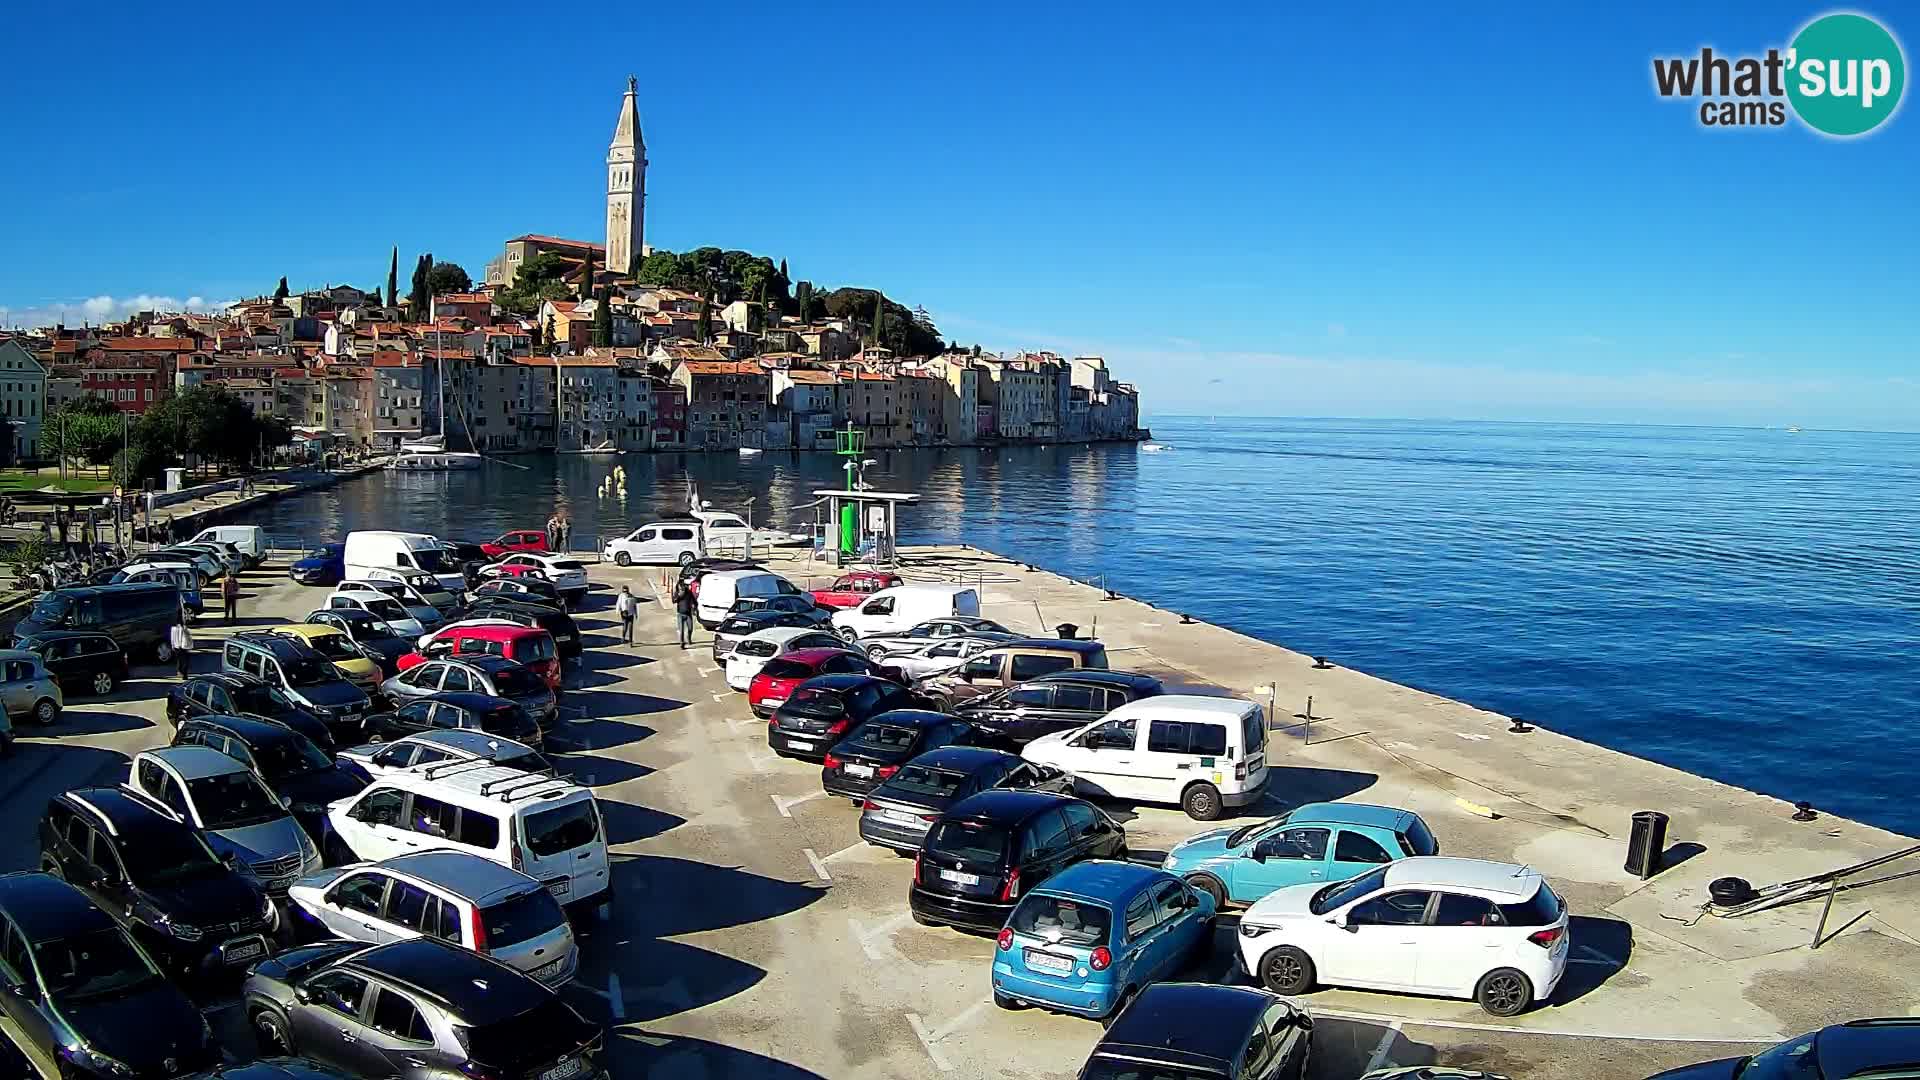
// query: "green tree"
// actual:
[[393, 277], [706, 316], [138, 463], [443, 278], [879, 318], [417, 300], [603, 318], [85, 429], [659, 268], [803, 298], [585, 287], [280, 291], [542, 277]]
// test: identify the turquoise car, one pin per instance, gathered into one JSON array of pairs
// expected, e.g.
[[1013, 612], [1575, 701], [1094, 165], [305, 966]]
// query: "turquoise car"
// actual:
[[1092, 936], [1327, 841]]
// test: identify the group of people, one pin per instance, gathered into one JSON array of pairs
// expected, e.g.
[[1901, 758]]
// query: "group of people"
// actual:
[[626, 606], [559, 531]]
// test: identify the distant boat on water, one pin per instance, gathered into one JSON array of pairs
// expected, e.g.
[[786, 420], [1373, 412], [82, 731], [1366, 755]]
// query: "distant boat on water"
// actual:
[[433, 461], [1154, 447], [749, 451], [1794, 430]]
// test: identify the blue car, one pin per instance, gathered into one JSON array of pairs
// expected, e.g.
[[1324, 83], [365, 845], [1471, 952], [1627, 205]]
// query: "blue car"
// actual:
[[1094, 935], [1327, 842], [322, 566]]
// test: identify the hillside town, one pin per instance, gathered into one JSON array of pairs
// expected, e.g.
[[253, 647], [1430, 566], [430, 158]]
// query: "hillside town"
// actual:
[[575, 345]]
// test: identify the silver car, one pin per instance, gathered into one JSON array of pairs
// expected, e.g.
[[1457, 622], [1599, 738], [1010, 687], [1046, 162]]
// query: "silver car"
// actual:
[[27, 690], [459, 898], [241, 820], [437, 747], [934, 657]]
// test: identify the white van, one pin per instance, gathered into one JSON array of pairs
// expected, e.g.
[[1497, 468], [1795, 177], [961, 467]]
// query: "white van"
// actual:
[[720, 589], [903, 607], [1204, 753], [545, 827], [372, 550], [250, 539], [662, 543]]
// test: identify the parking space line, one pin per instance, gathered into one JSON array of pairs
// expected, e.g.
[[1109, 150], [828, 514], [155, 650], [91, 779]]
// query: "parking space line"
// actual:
[[723, 697], [926, 1042], [783, 804], [871, 939], [850, 847], [819, 867], [1387, 1039], [1561, 1033], [757, 761], [1595, 956], [705, 670]]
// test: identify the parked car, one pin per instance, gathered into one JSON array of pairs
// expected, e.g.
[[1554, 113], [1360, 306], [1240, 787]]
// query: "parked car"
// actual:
[[418, 1009], [849, 589], [901, 608], [180, 575], [348, 660], [1089, 938], [899, 810], [692, 570], [196, 915], [720, 590], [138, 616], [81, 661], [228, 557], [272, 1068], [546, 827], [1461, 928], [660, 543], [1204, 754], [988, 849], [249, 540], [752, 652], [741, 625], [528, 646], [446, 745], [354, 596], [1886, 1047], [205, 563], [537, 590], [233, 810], [568, 574], [780, 677], [235, 693], [1316, 843], [1062, 701], [379, 642], [513, 541], [28, 690], [881, 644], [456, 897], [876, 749], [1012, 662], [372, 554], [549, 617], [1176, 1029], [85, 1000], [936, 656], [494, 676], [325, 566], [305, 777], [310, 679], [821, 710], [455, 711], [417, 588]]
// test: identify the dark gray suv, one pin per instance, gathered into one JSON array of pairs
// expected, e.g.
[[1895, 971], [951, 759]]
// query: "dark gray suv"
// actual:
[[1059, 702]]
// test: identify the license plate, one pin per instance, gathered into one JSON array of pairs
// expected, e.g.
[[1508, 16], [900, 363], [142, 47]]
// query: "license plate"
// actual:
[[859, 770], [800, 740], [773, 702], [899, 816], [242, 950], [1058, 965], [560, 886], [570, 1067], [959, 878]]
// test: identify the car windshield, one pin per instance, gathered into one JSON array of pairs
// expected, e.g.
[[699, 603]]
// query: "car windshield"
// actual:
[[289, 756], [1062, 921], [737, 625], [756, 650], [375, 628], [309, 670], [52, 609], [333, 647], [969, 842], [521, 918], [816, 703], [786, 669], [504, 720], [920, 780], [517, 681], [562, 829], [384, 607], [1246, 832], [92, 964], [233, 801], [1791, 1060], [538, 1036], [885, 738], [1103, 1067], [434, 561], [1346, 892], [568, 565], [165, 856], [263, 700]]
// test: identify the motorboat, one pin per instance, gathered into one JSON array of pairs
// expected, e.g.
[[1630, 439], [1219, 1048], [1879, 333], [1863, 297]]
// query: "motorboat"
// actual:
[[749, 451], [1154, 447]]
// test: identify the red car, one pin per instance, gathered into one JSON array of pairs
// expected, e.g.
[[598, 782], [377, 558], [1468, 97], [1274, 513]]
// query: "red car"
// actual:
[[529, 646], [518, 540], [771, 688], [849, 589]]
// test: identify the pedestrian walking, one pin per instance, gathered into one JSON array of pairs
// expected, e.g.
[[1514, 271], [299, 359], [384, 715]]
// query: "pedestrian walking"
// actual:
[[625, 607], [230, 596], [683, 609], [182, 643]]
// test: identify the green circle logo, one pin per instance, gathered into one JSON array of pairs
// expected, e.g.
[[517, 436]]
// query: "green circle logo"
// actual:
[[1845, 74]]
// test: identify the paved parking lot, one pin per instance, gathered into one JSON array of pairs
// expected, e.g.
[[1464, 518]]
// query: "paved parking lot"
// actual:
[[755, 935]]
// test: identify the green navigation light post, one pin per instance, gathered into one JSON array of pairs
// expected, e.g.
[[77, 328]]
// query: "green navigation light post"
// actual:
[[851, 445]]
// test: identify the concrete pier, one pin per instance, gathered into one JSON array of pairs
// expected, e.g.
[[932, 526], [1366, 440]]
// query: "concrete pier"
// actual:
[[755, 935]]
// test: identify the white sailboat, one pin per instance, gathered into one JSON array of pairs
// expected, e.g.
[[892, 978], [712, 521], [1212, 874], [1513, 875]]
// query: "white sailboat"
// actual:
[[429, 453]]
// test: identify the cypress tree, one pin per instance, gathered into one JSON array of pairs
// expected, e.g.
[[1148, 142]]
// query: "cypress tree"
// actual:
[[417, 299], [281, 291], [603, 318], [803, 296], [586, 276], [393, 278], [873, 332]]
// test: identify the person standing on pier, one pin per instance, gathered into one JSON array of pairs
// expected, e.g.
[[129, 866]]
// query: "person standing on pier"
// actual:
[[553, 531], [182, 642], [230, 595], [683, 610], [625, 607]]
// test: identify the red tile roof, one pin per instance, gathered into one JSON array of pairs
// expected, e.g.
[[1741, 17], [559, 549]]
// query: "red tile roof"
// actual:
[[536, 238], [142, 344]]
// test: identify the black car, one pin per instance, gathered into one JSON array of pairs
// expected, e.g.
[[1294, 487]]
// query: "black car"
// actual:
[[898, 812], [86, 1001], [877, 748], [989, 847], [1883, 1047], [824, 708], [307, 777], [381, 643], [138, 616], [469, 556], [466, 711], [552, 619], [81, 661], [1059, 702], [195, 914], [536, 590], [1204, 1029], [235, 693], [281, 1068], [380, 1011]]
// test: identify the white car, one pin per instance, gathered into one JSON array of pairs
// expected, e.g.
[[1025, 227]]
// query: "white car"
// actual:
[[933, 657], [568, 574], [363, 597], [1460, 928], [752, 652], [662, 543], [445, 747]]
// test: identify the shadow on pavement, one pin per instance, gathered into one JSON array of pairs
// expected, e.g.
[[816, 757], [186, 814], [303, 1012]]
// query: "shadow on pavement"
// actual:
[[90, 722], [1344, 1048], [584, 735], [1601, 948], [636, 1054], [673, 896], [35, 773], [629, 822]]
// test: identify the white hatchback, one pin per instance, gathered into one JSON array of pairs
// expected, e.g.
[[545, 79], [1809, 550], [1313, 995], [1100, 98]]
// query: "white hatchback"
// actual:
[[568, 574], [1459, 928], [752, 652]]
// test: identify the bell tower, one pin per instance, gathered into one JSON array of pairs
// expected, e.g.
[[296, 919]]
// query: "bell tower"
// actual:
[[626, 188]]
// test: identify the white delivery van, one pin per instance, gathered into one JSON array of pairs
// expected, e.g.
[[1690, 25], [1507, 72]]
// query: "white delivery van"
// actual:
[[1205, 754], [370, 551], [904, 607], [251, 540], [720, 589]]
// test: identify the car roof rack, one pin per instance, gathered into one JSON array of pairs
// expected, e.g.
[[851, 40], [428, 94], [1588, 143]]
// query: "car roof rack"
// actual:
[[437, 769], [523, 786]]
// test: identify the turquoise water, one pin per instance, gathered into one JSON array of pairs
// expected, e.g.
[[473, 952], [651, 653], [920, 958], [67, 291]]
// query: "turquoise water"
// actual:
[[1740, 603]]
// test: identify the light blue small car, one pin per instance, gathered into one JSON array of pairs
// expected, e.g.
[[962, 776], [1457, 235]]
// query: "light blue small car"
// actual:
[[1092, 936], [1318, 842]]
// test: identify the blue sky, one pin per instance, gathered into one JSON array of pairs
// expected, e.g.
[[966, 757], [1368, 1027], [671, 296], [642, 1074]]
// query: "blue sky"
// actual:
[[1403, 213]]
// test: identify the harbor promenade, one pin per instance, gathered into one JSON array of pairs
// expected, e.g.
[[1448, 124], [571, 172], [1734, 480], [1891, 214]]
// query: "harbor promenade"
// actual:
[[754, 935]]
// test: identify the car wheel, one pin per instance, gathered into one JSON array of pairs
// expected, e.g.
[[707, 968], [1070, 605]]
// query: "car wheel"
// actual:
[[1201, 802], [1287, 970], [45, 712], [1007, 1003], [1504, 992], [1120, 1006], [270, 1030], [876, 652], [621, 558], [686, 557], [1210, 885], [102, 682], [163, 652]]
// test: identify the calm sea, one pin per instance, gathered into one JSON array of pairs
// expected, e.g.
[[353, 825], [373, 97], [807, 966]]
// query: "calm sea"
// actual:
[[1739, 603]]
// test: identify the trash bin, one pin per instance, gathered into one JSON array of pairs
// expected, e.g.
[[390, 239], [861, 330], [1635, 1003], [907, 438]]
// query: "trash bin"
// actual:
[[1647, 843], [1067, 630]]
